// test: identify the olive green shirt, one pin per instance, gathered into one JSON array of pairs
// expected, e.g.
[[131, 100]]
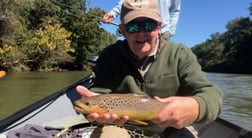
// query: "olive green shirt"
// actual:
[[174, 71]]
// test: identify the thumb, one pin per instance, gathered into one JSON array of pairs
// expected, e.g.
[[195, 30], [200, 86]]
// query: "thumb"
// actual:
[[84, 91], [157, 98], [161, 99]]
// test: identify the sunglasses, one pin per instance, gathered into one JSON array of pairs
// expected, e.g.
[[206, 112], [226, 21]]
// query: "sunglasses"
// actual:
[[146, 25]]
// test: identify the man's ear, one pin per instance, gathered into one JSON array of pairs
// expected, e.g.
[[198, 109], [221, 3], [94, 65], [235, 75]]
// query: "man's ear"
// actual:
[[160, 24], [122, 29]]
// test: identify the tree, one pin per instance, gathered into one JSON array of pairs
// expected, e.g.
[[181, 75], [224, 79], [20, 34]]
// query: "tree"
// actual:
[[10, 56], [230, 51], [25, 21], [49, 46]]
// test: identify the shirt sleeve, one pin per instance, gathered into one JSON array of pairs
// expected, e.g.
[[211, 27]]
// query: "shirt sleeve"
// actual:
[[117, 9], [174, 15], [206, 93]]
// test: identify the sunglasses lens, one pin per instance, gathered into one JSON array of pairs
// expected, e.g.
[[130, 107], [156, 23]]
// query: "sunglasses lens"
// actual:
[[150, 26], [147, 26], [132, 27]]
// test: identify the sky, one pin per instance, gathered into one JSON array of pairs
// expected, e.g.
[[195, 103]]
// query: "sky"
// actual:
[[198, 18]]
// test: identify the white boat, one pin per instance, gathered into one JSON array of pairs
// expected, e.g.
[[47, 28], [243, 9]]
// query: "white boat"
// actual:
[[56, 110]]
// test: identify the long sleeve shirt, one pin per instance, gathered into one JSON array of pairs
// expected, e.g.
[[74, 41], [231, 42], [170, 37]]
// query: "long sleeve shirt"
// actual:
[[174, 71], [169, 11]]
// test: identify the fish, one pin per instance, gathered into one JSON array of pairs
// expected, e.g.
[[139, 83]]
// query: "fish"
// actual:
[[139, 108]]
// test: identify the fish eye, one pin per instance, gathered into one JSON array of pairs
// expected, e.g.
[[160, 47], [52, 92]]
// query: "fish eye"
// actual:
[[87, 103]]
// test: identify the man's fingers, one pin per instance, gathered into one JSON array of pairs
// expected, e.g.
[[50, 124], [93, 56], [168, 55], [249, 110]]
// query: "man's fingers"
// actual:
[[122, 120], [84, 91]]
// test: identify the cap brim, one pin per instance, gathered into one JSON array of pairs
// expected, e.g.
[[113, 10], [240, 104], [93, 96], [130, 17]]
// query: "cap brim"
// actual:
[[140, 13]]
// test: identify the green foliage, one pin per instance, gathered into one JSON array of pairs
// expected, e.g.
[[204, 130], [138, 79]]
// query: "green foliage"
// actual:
[[49, 46], [230, 51], [40, 30], [10, 56], [32, 11], [7, 54]]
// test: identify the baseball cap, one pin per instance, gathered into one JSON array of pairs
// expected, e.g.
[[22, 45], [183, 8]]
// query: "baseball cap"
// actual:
[[132, 9]]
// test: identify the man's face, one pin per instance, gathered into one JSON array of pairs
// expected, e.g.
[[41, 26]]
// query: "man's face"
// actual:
[[141, 35]]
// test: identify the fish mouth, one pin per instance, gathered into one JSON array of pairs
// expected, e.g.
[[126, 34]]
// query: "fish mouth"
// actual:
[[79, 107]]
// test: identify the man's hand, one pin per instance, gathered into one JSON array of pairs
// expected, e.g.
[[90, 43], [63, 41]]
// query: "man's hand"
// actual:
[[107, 17], [83, 91], [106, 118], [178, 113]]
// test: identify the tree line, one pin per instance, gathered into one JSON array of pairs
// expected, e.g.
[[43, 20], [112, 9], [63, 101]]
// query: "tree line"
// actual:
[[228, 52], [49, 34], [60, 34]]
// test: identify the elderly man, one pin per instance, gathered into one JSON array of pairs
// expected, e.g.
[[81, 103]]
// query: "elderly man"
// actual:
[[143, 64]]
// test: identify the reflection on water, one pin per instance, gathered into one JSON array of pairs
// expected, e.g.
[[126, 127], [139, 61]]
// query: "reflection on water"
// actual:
[[237, 100], [18, 90]]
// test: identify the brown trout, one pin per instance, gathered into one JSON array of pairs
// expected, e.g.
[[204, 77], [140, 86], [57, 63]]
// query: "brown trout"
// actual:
[[137, 107]]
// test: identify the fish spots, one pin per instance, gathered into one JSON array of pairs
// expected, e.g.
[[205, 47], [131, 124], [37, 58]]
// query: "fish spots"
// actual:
[[137, 107]]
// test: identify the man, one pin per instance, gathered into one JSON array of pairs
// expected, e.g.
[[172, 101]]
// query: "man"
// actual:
[[143, 64], [169, 10]]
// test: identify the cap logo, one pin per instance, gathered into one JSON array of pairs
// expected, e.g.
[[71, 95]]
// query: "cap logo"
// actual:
[[139, 3]]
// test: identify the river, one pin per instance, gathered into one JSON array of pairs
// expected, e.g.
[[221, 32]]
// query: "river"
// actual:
[[18, 90], [237, 100]]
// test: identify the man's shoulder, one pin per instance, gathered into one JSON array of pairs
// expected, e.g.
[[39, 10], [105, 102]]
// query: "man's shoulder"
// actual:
[[114, 50], [114, 46], [176, 52], [170, 46]]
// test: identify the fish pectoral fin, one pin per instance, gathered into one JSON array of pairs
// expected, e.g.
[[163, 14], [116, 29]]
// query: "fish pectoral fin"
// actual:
[[141, 122]]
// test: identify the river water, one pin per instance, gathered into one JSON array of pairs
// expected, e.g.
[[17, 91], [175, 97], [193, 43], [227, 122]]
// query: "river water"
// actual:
[[18, 90], [237, 102]]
